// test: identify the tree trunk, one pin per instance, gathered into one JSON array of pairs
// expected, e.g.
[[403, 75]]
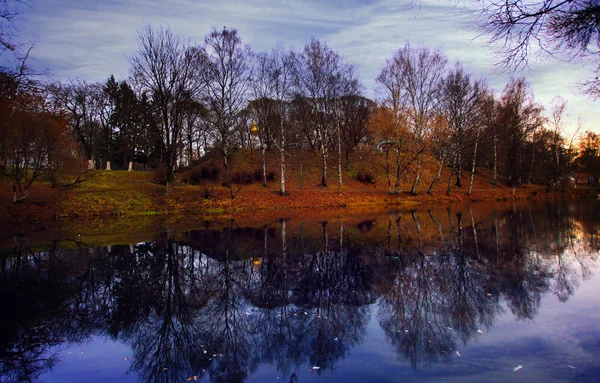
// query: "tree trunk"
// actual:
[[449, 189], [130, 166], [339, 142], [282, 155], [473, 165], [437, 177], [20, 197], [107, 165], [495, 159], [264, 166], [387, 170], [324, 176], [416, 181], [458, 168]]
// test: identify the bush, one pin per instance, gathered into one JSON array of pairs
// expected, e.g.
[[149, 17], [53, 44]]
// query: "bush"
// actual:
[[210, 173], [160, 175], [242, 178], [197, 174], [207, 193], [365, 176], [258, 175]]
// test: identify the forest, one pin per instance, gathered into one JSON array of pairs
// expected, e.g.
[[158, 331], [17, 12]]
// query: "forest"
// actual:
[[183, 101]]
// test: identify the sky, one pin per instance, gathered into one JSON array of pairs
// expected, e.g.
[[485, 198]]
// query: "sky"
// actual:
[[77, 39]]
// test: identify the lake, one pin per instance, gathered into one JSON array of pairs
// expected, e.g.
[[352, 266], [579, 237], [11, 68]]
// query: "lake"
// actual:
[[463, 293]]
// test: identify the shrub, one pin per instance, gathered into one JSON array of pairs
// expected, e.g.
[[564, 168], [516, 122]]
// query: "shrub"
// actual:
[[365, 176], [160, 175], [242, 178]]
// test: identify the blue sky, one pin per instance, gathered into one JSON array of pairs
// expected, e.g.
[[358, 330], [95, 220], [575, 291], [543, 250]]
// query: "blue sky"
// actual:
[[91, 40]]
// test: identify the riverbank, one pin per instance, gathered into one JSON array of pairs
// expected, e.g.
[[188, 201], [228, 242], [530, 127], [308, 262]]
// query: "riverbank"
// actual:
[[201, 192]]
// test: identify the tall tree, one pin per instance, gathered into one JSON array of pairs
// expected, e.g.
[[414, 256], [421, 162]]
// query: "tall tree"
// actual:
[[391, 131], [34, 140], [519, 115], [322, 78], [558, 107], [170, 72], [226, 78], [459, 101], [410, 81], [77, 99]]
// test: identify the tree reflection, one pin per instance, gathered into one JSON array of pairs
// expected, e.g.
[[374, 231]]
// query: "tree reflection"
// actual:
[[218, 303]]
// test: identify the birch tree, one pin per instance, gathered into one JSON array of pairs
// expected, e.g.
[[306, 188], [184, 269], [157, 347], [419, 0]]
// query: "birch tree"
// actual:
[[321, 79], [273, 87], [227, 80], [411, 80], [459, 97]]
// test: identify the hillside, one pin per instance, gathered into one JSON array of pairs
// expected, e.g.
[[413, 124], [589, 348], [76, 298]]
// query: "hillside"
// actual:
[[200, 189]]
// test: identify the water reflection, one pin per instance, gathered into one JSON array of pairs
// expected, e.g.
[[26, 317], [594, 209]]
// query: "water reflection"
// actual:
[[218, 303]]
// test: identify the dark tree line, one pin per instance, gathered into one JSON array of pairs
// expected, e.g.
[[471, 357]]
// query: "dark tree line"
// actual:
[[186, 100]]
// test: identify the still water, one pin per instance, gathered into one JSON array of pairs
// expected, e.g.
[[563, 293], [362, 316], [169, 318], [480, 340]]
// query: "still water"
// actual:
[[474, 293]]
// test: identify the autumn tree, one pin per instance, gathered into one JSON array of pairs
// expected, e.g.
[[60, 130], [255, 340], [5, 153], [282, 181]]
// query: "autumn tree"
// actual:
[[390, 130], [170, 72], [34, 140], [589, 152], [410, 81]]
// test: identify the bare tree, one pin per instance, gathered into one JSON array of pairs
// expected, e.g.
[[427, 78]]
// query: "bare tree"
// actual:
[[411, 80], [322, 78], [9, 13], [170, 72], [227, 79], [77, 99], [567, 28], [273, 84], [518, 115], [459, 101], [440, 139], [558, 107]]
